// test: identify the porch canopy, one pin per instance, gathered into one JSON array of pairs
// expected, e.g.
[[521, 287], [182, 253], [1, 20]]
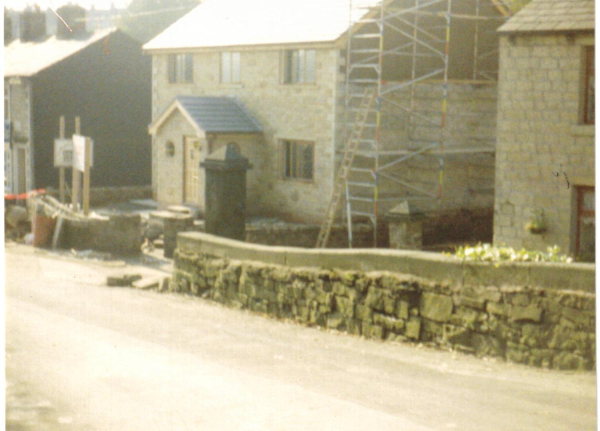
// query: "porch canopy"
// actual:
[[210, 115]]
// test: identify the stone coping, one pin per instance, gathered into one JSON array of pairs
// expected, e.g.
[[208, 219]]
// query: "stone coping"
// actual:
[[428, 265]]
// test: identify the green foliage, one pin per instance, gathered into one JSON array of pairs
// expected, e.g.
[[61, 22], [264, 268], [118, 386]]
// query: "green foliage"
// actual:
[[488, 253], [145, 19]]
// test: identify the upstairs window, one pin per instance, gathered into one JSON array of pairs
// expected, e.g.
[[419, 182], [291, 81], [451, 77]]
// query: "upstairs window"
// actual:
[[589, 106], [230, 68], [297, 160], [181, 68], [299, 66]]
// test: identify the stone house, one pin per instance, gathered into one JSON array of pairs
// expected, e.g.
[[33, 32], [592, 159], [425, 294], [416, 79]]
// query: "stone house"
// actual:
[[545, 146], [283, 64], [102, 77]]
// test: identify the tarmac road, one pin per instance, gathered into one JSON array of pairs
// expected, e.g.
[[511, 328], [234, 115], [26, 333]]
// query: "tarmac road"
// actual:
[[83, 356]]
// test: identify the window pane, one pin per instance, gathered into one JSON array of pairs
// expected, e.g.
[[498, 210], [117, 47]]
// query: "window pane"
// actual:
[[226, 67], [287, 172], [310, 65], [293, 160], [289, 66], [235, 66], [189, 68], [301, 65], [171, 66], [305, 161], [590, 105], [589, 201]]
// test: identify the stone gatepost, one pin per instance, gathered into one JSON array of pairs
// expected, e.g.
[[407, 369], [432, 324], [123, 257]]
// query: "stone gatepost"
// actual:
[[406, 227], [225, 192]]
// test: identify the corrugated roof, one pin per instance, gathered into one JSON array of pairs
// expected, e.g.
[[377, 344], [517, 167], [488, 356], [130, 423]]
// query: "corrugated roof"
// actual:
[[553, 15], [219, 23], [30, 58], [212, 115]]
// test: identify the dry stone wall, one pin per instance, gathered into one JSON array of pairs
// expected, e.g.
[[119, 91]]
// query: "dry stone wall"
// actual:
[[523, 323]]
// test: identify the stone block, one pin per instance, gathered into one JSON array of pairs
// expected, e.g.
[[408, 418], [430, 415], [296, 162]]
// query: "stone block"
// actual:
[[336, 321], [487, 345], [374, 299], [372, 331], [472, 302], [344, 306], [364, 313], [436, 307], [402, 308], [122, 280], [497, 309], [389, 304], [413, 328], [147, 283], [530, 313]]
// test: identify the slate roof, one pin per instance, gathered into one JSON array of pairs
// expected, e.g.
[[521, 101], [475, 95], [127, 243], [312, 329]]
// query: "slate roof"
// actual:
[[30, 58], [219, 23], [214, 114], [553, 15]]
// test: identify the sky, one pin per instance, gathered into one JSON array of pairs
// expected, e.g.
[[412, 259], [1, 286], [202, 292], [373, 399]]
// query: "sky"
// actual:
[[55, 4]]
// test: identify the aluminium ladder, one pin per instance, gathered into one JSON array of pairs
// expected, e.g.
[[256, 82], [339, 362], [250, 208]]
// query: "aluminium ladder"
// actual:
[[339, 186]]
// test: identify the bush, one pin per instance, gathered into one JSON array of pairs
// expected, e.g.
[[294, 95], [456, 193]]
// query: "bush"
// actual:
[[488, 253]]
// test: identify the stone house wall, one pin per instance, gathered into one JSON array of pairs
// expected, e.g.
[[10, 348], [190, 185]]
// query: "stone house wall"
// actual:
[[522, 313], [285, 111], [543, 152]]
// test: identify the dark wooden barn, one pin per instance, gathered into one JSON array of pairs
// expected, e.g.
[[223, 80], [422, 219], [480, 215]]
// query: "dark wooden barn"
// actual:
[[103, 78]]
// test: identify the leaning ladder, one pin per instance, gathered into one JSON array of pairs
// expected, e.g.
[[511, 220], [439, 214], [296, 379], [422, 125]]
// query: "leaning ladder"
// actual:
[[339, 186]]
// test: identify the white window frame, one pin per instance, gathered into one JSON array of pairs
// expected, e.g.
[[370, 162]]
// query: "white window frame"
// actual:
[[180, 68], [231, 67], [292, 167], [299, 66]]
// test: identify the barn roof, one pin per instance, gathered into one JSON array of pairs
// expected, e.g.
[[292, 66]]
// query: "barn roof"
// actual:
[[211, 115], [553, 15], [29, 58]]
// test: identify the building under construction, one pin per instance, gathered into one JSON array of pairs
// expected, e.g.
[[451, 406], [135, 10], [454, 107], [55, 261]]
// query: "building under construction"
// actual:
[[419, 109]]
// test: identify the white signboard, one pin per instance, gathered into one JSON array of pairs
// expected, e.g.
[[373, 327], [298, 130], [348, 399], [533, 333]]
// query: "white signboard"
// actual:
[[63, 153], [79, 152]]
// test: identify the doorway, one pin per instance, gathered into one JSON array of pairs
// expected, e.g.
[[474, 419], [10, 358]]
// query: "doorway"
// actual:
[[193, 176]]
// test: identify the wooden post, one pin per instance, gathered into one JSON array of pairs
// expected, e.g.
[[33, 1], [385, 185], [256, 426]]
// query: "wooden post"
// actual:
[[76, 174], [61, 170], [86, 176]]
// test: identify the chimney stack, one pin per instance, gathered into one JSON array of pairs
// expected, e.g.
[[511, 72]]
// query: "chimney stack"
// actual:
[[33, 24], [74, 16]]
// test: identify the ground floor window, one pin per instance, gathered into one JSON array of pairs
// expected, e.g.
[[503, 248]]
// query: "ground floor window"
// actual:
[[585, 248], [297, 159]]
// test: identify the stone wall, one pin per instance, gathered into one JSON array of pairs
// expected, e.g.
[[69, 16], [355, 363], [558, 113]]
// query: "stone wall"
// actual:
[[543, 150], [536, 314]]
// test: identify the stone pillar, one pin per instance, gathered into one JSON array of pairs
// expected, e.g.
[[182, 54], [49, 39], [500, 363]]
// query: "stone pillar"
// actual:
[[173, 224], [225, 193], [406, 227]]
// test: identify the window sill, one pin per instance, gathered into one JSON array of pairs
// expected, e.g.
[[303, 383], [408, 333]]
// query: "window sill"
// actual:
[[232, 84], [299, 84], [583, 130]]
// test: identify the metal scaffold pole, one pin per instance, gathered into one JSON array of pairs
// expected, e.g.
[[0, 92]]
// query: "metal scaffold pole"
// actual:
[[398, 53]]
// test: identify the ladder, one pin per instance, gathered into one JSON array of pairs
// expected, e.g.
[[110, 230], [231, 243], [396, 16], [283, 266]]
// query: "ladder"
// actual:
[[339, 186]]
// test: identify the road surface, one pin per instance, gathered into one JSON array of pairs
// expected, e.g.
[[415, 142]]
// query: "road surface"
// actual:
[[83, 356]]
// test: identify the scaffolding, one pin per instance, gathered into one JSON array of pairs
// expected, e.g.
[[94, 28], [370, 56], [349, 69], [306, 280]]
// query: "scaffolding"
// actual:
[[412, 39]]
